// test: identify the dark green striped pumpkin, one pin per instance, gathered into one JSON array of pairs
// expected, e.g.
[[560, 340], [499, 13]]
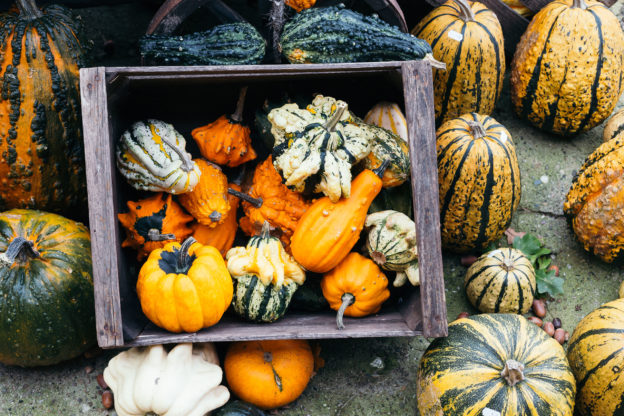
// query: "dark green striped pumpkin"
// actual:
[[468, 38], [566, 75], [596, 355], [479, 181], [500, 362], [501, 280], [256, 302]]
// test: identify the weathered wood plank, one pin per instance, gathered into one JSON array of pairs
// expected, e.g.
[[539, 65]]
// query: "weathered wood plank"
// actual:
[[535, 5], [419, 111], [102, 219]]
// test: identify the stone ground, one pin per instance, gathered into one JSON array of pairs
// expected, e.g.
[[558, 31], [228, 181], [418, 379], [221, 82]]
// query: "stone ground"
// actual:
[[348, 385]]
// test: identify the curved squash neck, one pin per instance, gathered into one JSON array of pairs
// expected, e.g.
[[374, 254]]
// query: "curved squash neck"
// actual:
[[467, 15], [28, 9], [579, 4]]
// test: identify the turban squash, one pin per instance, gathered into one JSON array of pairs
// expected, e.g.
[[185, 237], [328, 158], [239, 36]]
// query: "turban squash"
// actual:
[[468, 38], [595, 201], [479, 181], [566, 75], [42, 163], [596, 357], [500, 362]]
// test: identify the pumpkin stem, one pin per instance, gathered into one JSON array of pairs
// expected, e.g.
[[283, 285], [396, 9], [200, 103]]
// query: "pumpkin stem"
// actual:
[[335, 118], [347, 300], [378, 257], [154, 235], [382, 168], [256, 202], [187, 162], [512, 373], [579, 4], [19, 249], [477, 129], [28, 9], [240, 105], [265, 233], [508, 265], [183, 256], [466, 14], [434, 62]]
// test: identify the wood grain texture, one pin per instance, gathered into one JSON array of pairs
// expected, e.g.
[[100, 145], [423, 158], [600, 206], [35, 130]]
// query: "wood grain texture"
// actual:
[[102, 218], [419, 111], [173, 13]]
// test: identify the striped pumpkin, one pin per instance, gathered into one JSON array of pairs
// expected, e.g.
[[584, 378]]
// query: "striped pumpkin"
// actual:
[[566, 75], [614, 127], [596, 355], [389, 116], [501, 280], [479, 181], [500, 362], [595, 201], [468, 38], [42, 163]]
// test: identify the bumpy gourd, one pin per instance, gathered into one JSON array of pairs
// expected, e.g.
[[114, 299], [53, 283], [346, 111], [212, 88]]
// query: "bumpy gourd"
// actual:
[[501, 280], [566, 75], [388, 146], [468, 38], [316, 147], [391, 243], [152, 222], [266, 277], [151, 155], [184, 381], [614, 127], [300, 5], [389, 116], [208, 201]]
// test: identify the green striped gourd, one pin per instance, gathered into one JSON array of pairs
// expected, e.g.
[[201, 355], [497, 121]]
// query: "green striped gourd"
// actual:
[[388, 146], [391, 243], [614, 129], [596, 356], [566, 75], [228, 44], [501, 280], [500, 362], [468, 38], [389, 116], [338, 34], [479, 181]]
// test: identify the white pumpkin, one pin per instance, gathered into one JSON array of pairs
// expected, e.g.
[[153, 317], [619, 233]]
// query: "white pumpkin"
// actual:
[[184, 382], [389, 116]]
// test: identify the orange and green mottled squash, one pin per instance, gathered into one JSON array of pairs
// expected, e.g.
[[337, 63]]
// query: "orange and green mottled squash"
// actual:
[[596, 356], [595, 201], [479, 181], [42, 156], [46, 288], [614, 127], [500, 362], [501, 280], [468, 38], [566, 75]]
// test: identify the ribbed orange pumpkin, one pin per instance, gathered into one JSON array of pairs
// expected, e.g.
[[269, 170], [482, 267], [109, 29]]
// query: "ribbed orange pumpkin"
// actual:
[[208, 201]]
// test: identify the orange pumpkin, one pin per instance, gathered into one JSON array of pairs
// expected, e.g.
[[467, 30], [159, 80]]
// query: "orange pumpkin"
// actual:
[[208, 201], [356, 287], [153, 222], [327, 231], [269, 374], [279, 206], [226, 141], [222, 236]]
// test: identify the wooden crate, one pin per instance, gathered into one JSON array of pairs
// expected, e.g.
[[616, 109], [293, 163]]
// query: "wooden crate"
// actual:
[[113, 98]]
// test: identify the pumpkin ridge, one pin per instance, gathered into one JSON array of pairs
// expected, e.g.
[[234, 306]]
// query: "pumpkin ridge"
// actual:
[[597, 367], [496, 52], [591, 332], [594, 89], [452, 187], [435, 41], [485, 206], [452, 76]]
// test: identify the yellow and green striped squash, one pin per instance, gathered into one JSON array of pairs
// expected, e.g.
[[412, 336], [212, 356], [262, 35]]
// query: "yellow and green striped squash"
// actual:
[[595, 201], [500, 362], [501, 280], [479, 181], [596, 355], [468, 38], [566, 75], [614, 127]]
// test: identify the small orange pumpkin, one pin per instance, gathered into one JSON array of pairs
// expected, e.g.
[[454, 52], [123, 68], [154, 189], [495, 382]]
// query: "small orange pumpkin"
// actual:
[[226, 141], [300, 5], [208, 201], [356, 287], [222, 236], [279, 206], [153, 222], [269, 374]]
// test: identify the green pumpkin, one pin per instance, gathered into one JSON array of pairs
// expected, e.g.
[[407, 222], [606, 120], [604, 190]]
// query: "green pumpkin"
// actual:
[[46, 289], [256, 302]]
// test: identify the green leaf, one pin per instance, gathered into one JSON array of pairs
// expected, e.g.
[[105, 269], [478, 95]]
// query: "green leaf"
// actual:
[[543, 262], [528, 244], [548, 283]]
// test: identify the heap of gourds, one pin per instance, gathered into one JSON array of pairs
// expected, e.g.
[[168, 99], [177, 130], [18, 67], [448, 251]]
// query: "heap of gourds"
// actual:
[[184, 230]]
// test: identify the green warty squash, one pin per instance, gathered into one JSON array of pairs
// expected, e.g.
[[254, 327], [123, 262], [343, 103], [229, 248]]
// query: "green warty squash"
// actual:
[[388, 146]]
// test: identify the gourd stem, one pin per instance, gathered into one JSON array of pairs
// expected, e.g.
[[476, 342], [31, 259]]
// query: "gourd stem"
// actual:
[[19, 249], [382, 168], [335, 118], [434, 62], [580, 4], [347, 299], [240, 105], [467, 14], [28, 9], [266, 230], [378, 257], [187, 162], [183, 255], [513, 372], [256, 202], [508, 265], [477, 129], [154, 235]]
